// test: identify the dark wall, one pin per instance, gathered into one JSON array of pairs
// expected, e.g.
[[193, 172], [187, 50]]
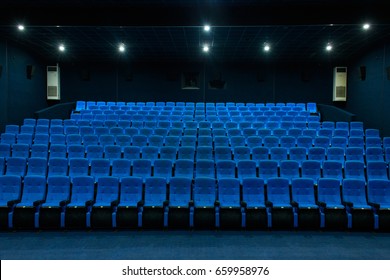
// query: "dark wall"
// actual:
[[369, 99], [154, 82], [20, 97]]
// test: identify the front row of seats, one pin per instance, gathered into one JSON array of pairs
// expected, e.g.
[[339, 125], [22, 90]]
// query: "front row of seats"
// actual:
[[203, 204]]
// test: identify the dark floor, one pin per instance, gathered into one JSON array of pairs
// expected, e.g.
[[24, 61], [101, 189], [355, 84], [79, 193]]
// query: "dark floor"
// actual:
[[192, 245]]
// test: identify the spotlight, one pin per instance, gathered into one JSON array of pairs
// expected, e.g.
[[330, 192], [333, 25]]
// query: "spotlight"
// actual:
[[267, 47], [366, 26], [21, 27], [207, 28], [121, 47], [206, 48], [61, 48], [329, 47]]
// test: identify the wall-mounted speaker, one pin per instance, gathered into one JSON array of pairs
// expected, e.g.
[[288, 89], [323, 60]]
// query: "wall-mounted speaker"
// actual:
[[30, 71], [362, 73], [388, 72], [85, 75]]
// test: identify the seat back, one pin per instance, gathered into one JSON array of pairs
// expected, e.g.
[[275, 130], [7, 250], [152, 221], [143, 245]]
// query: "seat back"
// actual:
[[180, 192], [130, 191], [278, 191], [354, 170], [204, 192], [184, 168], [155, 191], [78, 167], [34, 189], [268, 169], [329, 192], [142, 168], [10, 188], [82, 190], [16, 166], [37, 166], [332, 169], [120, 168], [229, 192], [100, 168], [58, 189], [57, 167], [246, 169], [107, 190], [253, 192], [378, 191], [354, 190], [226, 169], [377, 170], [302, 191], [311, 169]]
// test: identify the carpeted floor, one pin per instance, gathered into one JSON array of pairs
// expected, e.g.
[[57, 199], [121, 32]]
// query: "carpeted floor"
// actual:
[[193, 245]]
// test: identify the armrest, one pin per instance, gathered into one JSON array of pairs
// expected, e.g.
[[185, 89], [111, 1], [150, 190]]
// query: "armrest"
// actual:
[[38, 202], [166, 203], [141, 203], [243, 204], [11, 203], [191, 203], [375, 205], [89, 203], [114, 203], [64, 202], [269, 204], [321, 204], [347, 203], [294, 203]]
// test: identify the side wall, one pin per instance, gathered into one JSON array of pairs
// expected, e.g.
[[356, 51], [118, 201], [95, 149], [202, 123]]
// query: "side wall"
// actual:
[[369, 99], [20, 97]]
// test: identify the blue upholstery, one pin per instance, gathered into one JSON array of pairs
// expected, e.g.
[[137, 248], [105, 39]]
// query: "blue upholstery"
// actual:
[[354, 170], [332, 169], [246, 169], [78, 167], [289, 169], [100, 168], [39, 150], [311, 169], [16, 166], [205, 168], [268, 169], [121, 168], [354, 198], [57, 167], [94, 152], [21, 150], [142, 168], [377, 170], [226, 169], [229, 198]]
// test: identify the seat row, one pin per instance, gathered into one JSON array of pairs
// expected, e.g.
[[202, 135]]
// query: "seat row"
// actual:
[[168, 168], [59, 202], [80, 105]]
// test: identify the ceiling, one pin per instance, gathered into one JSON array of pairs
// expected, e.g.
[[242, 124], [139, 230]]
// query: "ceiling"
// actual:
[[172, 30]]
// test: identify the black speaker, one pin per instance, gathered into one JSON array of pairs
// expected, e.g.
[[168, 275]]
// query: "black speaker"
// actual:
[[362, 73], [1, 70], [388, 72], [30, 71], [85, 75]]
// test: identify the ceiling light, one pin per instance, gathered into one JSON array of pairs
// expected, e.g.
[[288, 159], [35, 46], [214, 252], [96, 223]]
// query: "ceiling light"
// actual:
[[329, 47], [21, 27], [267, 47], [207, 28], [366, 26], [61, 48], [206, 48], [121, 47]]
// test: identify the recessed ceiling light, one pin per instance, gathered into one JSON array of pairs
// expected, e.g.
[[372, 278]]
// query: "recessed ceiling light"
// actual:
[[61, 48], [121, 47], [206, 48], [267, 47], [21, 27], [207, 28], [329, 47], [366, 26]]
